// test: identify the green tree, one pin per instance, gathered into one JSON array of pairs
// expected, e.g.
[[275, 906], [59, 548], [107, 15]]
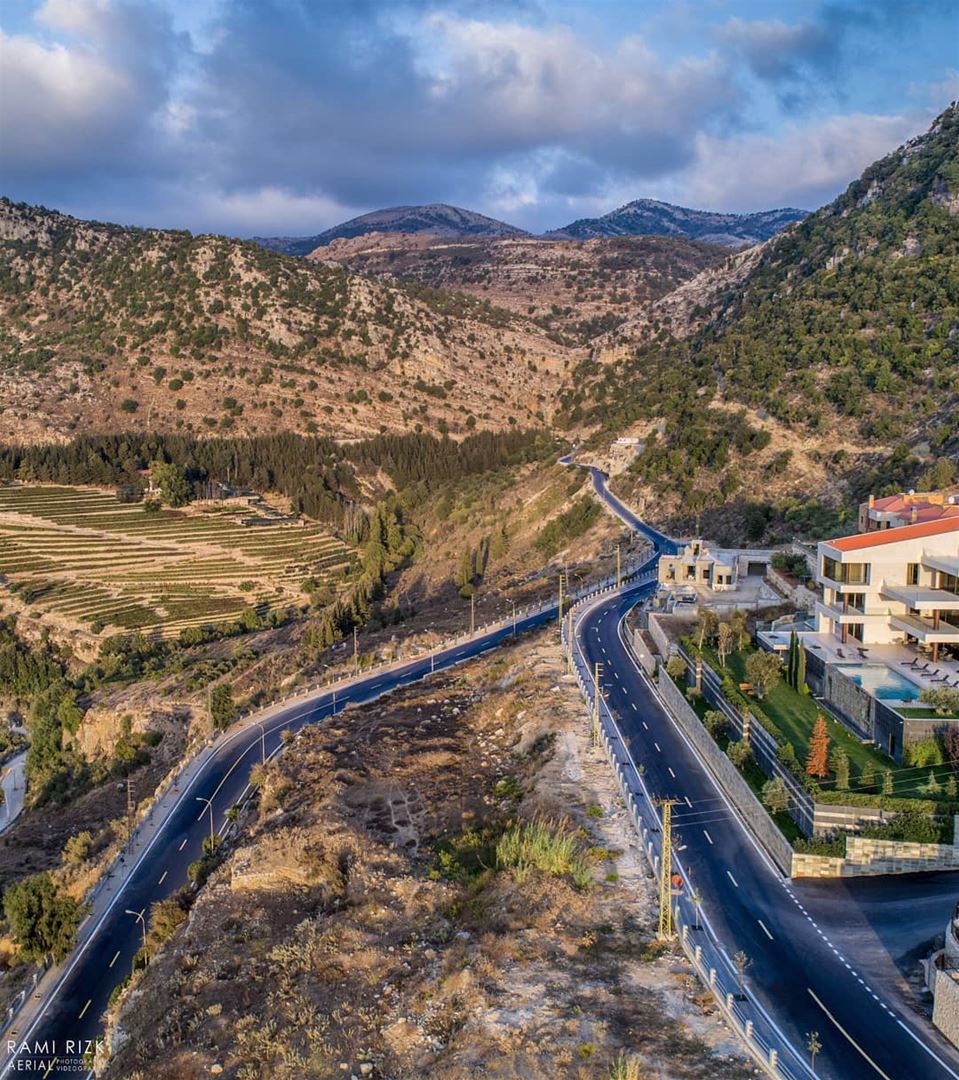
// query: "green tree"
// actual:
[[776, 795], [740, 754], [725, 636], [840, 766], [887, 786], [763, 670], [172, 482], [222, 706], [42, 919], [707, 625], [867, 778]]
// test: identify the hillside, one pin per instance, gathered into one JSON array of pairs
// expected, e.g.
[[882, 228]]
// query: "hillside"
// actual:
[[435, 219], [649, 217], [203, 333], [841, 340], [572, 289]]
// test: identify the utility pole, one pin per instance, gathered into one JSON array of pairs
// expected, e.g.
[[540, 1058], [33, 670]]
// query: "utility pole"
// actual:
[[597, 694], [513, 603], [472, 614], [619, 568], [562, 582], [262, 743], [356, 652], [666, 871], [129, 811], [569, 641]]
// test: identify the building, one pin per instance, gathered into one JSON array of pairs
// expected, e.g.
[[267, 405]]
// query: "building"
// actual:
[[697, 565], [896, 585], [907, 508]]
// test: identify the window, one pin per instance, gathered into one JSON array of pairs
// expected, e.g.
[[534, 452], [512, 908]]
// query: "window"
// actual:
[[847, 573], [949, 582], [912, 573]]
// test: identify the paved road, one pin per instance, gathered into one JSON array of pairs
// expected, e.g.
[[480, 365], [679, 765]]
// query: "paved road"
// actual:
[[832, 957], [71, 1013]]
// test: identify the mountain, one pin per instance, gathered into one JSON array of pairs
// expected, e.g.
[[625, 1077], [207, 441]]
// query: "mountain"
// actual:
[[436, 219], [840, 337], [572, 289], [102, 327], [648, 217]]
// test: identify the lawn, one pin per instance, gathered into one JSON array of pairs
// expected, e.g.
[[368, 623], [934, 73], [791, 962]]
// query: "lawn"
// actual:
[[795, 714]]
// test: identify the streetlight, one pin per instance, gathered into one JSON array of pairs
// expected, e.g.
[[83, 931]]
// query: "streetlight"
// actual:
[[138, 915], [262, 742], [512, 604], [209, 804]]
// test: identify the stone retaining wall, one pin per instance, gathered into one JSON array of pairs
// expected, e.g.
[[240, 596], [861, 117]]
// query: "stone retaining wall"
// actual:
[[867, 858], [665, 647]]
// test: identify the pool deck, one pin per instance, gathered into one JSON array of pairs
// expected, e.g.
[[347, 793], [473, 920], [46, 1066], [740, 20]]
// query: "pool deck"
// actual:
[[897, 657]]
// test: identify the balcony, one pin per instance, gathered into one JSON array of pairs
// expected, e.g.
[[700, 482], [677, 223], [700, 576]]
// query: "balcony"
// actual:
[[918, 598], [924, 630]]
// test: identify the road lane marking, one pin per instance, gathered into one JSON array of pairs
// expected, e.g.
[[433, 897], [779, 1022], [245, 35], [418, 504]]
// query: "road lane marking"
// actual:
[[732, 879], [645, 725], [115, 958], [656, 744], [633, 703], [183, 845], [708, 837], [163, 877], [885, 1076], [671, 773], [765, 931], [83, 1011], [688, 803]]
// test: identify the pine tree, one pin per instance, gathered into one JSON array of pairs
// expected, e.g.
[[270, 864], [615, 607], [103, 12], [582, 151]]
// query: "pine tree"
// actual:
[[887, 782], [950, 788], [801, 669], [791, 663], [867, 778], [817, 763]]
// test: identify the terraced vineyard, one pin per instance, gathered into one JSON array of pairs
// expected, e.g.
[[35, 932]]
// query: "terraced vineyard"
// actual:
[[87, 561]]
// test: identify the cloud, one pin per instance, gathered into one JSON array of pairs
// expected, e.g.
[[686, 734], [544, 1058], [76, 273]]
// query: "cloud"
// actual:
[[87, 102], [288, 115], [803, 167]]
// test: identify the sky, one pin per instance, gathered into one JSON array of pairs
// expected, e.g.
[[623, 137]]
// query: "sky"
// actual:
[[284, 117]]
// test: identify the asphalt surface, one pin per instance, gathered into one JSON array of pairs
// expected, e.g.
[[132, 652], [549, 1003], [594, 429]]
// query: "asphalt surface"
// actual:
[[815, 950], [71, 1018]]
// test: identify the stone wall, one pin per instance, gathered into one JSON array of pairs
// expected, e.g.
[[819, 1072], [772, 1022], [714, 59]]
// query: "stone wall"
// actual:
[[660, 639], [868, 858], [726, 774], [642, 653], [849, 700], [793, 590], [945, 1010]]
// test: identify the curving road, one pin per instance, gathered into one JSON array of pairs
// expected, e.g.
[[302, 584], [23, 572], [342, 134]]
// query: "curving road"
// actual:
[[50, 1036], [830, 957]]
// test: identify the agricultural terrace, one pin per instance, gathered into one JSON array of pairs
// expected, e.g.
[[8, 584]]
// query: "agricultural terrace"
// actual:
[[86, 561]]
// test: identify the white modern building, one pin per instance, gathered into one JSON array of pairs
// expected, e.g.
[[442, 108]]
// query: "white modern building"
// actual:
[[896, 584]]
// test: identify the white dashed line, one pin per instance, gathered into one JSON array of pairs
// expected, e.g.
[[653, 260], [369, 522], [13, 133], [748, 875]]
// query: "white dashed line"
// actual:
[[656, 744], [708, 837], [115, 958], [163, 877], [183, 845], [671, 773], [765, 931], [732, 879]]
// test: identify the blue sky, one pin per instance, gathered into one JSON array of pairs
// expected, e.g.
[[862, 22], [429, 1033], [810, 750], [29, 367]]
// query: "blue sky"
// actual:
[[287, 116]]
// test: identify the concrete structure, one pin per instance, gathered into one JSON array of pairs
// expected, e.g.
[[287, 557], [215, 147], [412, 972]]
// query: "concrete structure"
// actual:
[[696, 565], [897, 585], [942, 981], [907, 508]]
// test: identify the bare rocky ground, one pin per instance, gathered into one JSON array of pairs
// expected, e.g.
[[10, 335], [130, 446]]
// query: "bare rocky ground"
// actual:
[[363, 926]]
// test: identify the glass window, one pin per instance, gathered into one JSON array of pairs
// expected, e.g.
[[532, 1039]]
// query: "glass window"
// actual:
[[912, 573]]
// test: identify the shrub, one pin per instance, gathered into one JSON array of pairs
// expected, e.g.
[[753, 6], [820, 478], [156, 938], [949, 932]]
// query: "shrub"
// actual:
[[911, 827], [944, 701], [676, 667], [543, 845], [924, 753], [716, 723]]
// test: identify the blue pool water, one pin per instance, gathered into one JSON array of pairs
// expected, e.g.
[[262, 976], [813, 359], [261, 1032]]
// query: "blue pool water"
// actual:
[[882, 682]]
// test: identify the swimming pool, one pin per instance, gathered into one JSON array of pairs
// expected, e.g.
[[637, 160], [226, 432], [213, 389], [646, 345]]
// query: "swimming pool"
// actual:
[[881, 681]]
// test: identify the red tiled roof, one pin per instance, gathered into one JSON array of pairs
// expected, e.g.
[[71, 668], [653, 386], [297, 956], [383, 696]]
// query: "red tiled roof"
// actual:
[[894, 536]]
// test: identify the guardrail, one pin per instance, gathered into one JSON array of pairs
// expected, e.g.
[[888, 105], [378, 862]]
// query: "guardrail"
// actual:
[[771, 1051], [249, 719]]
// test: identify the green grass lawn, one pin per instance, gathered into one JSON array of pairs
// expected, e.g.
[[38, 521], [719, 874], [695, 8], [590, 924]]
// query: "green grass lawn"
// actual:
[[795, 714]]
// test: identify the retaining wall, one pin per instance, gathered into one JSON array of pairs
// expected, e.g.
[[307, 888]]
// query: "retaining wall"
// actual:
[[665, 647], [869, 858], [727, 775]]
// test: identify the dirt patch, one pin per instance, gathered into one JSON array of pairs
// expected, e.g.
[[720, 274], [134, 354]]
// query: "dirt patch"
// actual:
[[371, 923]]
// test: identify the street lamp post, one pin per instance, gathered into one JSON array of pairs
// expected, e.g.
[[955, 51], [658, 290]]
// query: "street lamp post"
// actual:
[[512, 604], [139, 916], [209, 806]]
